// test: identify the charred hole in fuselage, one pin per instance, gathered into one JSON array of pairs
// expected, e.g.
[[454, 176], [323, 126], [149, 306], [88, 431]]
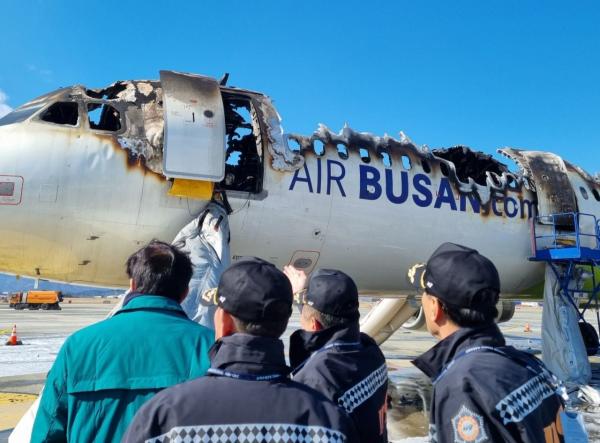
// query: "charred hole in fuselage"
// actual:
[[468, 163], [109, 93], [512, 183], [444, 169], [243, 162]]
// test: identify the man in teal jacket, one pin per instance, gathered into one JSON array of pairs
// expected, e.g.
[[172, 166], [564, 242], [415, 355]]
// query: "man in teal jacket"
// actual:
[[105, 372]]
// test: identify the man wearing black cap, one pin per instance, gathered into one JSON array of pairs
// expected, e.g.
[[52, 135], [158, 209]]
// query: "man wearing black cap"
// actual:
[[483, 389], [332, 356], [247, 395]]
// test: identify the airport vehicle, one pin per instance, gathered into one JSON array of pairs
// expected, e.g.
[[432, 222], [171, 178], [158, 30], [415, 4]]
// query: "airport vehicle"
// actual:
[[44, 300], [89, 175]]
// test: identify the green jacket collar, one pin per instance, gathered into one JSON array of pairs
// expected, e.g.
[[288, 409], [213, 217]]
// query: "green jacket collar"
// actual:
[[151, 302]]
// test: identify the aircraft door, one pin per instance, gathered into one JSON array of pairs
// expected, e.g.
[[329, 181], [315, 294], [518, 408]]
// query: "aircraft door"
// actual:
[[194, 145], [555, 194]]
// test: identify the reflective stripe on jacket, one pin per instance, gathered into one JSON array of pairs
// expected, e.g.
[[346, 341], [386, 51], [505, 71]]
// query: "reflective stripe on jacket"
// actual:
[[348, 368], [485, 396], [249, 399]]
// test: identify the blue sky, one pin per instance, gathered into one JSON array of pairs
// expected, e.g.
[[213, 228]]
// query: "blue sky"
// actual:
[[485, 74]]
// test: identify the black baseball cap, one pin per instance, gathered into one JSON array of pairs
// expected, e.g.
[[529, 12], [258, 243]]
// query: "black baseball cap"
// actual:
[[332, 292], [459, 276], [254, 290]]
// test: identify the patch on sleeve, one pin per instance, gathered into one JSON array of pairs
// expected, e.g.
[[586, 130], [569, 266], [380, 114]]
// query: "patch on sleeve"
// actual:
[[468, 427]]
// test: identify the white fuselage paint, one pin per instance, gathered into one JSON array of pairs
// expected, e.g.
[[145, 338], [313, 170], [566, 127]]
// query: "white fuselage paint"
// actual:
[[83, 210]]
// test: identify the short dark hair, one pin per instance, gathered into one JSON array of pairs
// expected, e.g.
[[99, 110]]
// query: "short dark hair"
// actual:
[[484, 315], [160, 269], [326, 320], [271, 329]]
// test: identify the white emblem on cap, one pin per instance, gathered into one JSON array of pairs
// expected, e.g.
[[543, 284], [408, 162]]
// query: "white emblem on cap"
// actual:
[[222, 299], [429, 284]]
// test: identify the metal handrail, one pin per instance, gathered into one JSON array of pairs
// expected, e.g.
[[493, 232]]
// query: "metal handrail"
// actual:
[[576, 235]]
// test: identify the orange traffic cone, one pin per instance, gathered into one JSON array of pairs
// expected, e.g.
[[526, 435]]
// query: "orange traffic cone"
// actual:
[[527, 328], [13, 341]]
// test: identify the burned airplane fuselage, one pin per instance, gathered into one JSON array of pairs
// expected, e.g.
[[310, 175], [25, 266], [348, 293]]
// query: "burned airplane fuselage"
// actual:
[[83, 185]]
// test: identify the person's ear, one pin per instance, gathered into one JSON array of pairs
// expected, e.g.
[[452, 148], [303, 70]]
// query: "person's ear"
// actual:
[[438, 313], [132, 285], [224, 324], [315, 324]]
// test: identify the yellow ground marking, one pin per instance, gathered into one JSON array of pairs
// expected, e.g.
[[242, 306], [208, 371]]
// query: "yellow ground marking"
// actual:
[[12, 408]]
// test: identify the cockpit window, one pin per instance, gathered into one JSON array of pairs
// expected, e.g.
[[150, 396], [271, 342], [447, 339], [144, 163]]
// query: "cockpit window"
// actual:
[[62, 113], [103, 117], [19, 115]]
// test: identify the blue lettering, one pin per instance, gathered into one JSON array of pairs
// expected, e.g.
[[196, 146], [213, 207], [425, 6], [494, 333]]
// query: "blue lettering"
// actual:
[[475, 205], [515, 209], [526, 204], [389, 187], [335, 178], [370, 189], [319, 176], [297, 178], [445, 195], [425, 197]]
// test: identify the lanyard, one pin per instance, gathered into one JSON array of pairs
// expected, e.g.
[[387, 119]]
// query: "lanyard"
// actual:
[[549, 378], [337, 344], [247, 377]]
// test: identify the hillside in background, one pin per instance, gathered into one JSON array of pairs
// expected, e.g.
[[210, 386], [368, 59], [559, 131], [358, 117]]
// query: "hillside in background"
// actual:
[[10, 283]]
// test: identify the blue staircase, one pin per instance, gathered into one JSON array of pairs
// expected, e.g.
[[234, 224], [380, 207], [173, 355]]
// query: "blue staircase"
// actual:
[[571, 247]]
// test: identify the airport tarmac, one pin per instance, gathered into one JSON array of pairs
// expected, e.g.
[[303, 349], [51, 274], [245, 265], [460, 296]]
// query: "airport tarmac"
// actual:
[[23, 368]]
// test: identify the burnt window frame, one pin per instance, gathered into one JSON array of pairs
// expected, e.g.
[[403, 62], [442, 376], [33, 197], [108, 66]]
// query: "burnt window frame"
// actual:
[[261, 137], [88, 102], [38, 116]]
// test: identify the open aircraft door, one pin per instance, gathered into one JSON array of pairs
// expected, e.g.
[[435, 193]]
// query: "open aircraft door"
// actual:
[[554, 190], [194, 145]]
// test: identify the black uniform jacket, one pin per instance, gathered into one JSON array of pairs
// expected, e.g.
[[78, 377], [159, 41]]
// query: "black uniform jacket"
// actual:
[[484, 396], [238, 407], [349, 368]]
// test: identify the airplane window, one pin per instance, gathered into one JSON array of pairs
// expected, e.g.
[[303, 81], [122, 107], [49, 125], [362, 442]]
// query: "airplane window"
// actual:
[[243, 164], [596, 194], [293, 145], [426, 166], [7, 189], [583, 192], [62, 113], [103, 117], [19, 115], [387, 159], [319, 147], [364, 155], [342, 151]]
